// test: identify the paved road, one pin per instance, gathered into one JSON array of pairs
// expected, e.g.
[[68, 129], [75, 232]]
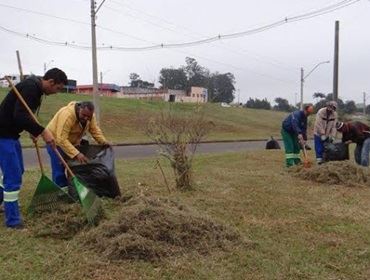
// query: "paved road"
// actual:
[[145, 151]]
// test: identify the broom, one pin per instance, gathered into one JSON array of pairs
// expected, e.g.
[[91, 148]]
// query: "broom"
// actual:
[[91, 204], [48, 195]]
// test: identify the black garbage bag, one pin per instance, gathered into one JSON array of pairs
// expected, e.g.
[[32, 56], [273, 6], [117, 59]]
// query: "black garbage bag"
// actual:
[[335, 151], [99, 173], [272, 144]]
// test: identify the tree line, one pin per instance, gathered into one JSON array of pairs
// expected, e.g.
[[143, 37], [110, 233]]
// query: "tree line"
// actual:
[[282, 104], [220, 86]]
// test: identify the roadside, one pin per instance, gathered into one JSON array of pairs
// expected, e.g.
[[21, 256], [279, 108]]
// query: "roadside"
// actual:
[[139, 151]]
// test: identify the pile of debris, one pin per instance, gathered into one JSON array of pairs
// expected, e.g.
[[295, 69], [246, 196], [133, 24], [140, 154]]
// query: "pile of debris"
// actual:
[[62, 222], [344, 173], [151, 229]]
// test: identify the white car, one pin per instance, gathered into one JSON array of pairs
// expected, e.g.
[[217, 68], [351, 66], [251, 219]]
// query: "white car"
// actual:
[[223, 104]]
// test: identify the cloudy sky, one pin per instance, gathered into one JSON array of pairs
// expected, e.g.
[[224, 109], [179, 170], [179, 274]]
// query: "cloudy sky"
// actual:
[[265, 64]]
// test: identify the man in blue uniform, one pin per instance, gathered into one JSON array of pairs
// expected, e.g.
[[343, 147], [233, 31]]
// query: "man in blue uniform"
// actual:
[[294, 133], [14, 119]]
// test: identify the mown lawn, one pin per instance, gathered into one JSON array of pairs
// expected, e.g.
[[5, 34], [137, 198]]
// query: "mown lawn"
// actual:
[[299, 229], [123, 120]]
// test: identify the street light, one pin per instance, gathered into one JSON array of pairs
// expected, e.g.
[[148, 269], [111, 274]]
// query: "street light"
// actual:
[[303, 78], [46, 65]]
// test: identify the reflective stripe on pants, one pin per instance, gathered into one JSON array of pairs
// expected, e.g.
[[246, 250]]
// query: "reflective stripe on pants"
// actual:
[[11, 164], [292, 148]]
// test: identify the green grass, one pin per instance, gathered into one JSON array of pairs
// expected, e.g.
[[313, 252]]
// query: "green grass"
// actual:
[[301, 229], [122, 120]]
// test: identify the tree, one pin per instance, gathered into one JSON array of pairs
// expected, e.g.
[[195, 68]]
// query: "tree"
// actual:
[[368, 109], [258, 104], [350, 107], [173, 78], [319, 95], [178, 136], [221, 87], [135, 81], [324, 100], [283, 105], [198, 76]]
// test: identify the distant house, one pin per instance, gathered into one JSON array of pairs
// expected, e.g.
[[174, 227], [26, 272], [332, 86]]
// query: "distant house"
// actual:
[[104, 89], [195, 95]]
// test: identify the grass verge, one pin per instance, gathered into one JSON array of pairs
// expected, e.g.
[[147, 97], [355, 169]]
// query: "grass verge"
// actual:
[[299, 229]]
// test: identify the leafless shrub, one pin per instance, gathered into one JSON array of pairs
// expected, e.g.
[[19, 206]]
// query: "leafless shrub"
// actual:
[[178, 136]]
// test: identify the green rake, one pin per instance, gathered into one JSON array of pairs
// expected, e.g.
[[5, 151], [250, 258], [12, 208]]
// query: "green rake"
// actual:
[[91, 204], [48, 195]]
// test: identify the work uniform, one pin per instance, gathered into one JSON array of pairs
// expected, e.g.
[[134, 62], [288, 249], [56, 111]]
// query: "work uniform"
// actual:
[[68, 132], [292, 126], [358, 133], [324, 129], [14, 119]]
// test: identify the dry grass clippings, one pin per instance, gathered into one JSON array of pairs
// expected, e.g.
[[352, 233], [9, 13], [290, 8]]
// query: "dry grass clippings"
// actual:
[[63, 222], [151, 229], [344, 173]]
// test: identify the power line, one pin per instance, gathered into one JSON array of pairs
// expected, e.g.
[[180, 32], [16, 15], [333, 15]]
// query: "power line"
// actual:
[[305, 16], [44, 14], [241, 52]]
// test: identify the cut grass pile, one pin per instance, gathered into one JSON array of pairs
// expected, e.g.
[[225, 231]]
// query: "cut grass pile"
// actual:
[[345, 173], [151, 229]]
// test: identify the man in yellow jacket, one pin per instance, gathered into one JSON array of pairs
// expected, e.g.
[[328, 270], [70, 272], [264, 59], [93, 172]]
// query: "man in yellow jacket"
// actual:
[[68, 126]]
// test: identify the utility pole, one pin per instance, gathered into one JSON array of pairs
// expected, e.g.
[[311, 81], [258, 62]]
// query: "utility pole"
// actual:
[[94, 62], [19, 65], [364, 109], [302, 81], [336, 61]]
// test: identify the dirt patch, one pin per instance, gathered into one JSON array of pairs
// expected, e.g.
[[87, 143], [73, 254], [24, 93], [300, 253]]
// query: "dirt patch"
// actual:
[[62, 222], [344, 173], [151, 229]]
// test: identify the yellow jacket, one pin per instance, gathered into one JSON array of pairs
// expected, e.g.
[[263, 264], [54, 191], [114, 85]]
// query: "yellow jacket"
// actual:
[[68, 131]]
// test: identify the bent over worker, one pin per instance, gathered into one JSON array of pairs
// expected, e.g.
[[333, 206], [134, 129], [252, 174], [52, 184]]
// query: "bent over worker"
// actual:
[[14, 118], [359, 133], [294, 133], [324, 129], [68, 126]]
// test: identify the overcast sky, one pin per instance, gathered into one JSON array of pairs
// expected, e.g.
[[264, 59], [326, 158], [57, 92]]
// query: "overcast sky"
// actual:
[[266, 64]]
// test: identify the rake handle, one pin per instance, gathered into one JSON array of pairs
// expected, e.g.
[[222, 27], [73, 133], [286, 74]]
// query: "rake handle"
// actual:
[[21, 99], [69, 170], [39, 157]]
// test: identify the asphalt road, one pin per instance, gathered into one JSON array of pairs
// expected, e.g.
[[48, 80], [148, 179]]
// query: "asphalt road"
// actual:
[[145, 151]]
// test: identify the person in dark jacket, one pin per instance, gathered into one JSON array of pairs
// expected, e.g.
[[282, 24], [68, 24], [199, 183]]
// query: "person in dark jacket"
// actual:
[[14, 118], [359, 133], [294, 133]]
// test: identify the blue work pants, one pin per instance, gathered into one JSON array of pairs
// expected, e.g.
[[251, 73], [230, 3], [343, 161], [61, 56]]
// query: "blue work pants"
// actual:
[[57, 167], [11, 164]]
